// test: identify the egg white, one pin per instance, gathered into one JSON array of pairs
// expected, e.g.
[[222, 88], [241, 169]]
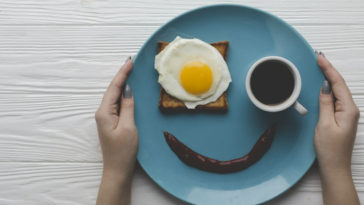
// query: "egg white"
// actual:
[[170, 62]]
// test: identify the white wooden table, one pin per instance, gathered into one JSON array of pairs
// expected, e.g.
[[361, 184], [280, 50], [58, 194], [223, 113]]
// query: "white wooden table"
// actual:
[[57, 58]]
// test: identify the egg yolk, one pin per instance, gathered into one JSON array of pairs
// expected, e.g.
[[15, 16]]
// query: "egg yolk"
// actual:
[[196, 77]]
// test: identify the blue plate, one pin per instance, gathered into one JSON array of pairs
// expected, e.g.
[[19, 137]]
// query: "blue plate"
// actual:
[[252, 34]]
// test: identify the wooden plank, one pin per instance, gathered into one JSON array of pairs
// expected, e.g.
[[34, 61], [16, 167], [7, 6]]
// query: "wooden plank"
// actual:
[[51, 44], [133, 12], [33, 45], [71, 183]]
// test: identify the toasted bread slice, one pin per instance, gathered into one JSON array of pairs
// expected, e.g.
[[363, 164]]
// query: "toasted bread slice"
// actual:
[[168, 103]]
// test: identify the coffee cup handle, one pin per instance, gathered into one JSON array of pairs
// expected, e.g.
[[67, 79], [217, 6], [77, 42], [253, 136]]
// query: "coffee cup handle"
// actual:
[[300, 109]]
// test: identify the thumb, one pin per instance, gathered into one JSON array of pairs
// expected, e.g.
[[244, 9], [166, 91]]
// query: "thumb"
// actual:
[[127, 106], [327, 112]]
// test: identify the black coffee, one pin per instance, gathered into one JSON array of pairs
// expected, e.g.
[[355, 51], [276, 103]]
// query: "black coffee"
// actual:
[[272, 82]]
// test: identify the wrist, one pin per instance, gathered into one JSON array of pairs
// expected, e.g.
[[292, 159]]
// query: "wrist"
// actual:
[[334, 165], [116, 176], [338, 174], [118, 169], [338, 186], [115, 188]]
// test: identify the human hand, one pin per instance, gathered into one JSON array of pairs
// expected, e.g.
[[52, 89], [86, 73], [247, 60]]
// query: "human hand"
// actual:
[[334, 137], [336, 129], [115, 123], [118, 138]]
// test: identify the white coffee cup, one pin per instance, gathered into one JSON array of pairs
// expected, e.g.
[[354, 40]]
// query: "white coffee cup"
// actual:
[[291, 101]]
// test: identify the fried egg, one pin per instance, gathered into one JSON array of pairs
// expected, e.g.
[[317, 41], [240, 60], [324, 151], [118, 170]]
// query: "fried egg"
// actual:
[[192, 71]]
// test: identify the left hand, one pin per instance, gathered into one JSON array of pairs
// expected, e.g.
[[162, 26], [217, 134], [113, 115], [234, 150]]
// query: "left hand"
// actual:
[[115, 123]]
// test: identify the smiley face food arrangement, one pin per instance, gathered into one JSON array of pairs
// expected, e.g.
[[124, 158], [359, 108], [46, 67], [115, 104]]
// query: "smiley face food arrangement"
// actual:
[[194, 76]]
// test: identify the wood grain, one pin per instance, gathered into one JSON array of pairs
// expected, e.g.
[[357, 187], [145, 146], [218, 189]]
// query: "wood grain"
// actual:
[[56, 43], [47, 12], [57, 58]]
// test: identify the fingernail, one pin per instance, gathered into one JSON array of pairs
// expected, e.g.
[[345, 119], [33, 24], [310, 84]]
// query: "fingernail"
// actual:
[[326, 88], [319, 53], [127, 91], [128, 59]]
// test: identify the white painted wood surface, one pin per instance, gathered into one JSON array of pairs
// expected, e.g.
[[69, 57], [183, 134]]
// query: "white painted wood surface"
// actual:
[[57, 57]]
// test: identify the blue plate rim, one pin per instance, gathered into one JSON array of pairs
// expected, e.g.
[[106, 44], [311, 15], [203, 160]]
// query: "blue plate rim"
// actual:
[[233, 6]]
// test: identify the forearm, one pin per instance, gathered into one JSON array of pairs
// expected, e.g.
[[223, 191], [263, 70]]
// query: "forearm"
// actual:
[[115, 189], [338, 187]]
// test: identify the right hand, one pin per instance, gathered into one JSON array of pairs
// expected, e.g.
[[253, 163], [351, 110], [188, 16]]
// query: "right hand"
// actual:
[[336, 129]]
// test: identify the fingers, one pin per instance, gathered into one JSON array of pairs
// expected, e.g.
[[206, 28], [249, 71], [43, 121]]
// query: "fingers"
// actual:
[[339, 88], [127, 107], [113, 92], [326, 101]]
